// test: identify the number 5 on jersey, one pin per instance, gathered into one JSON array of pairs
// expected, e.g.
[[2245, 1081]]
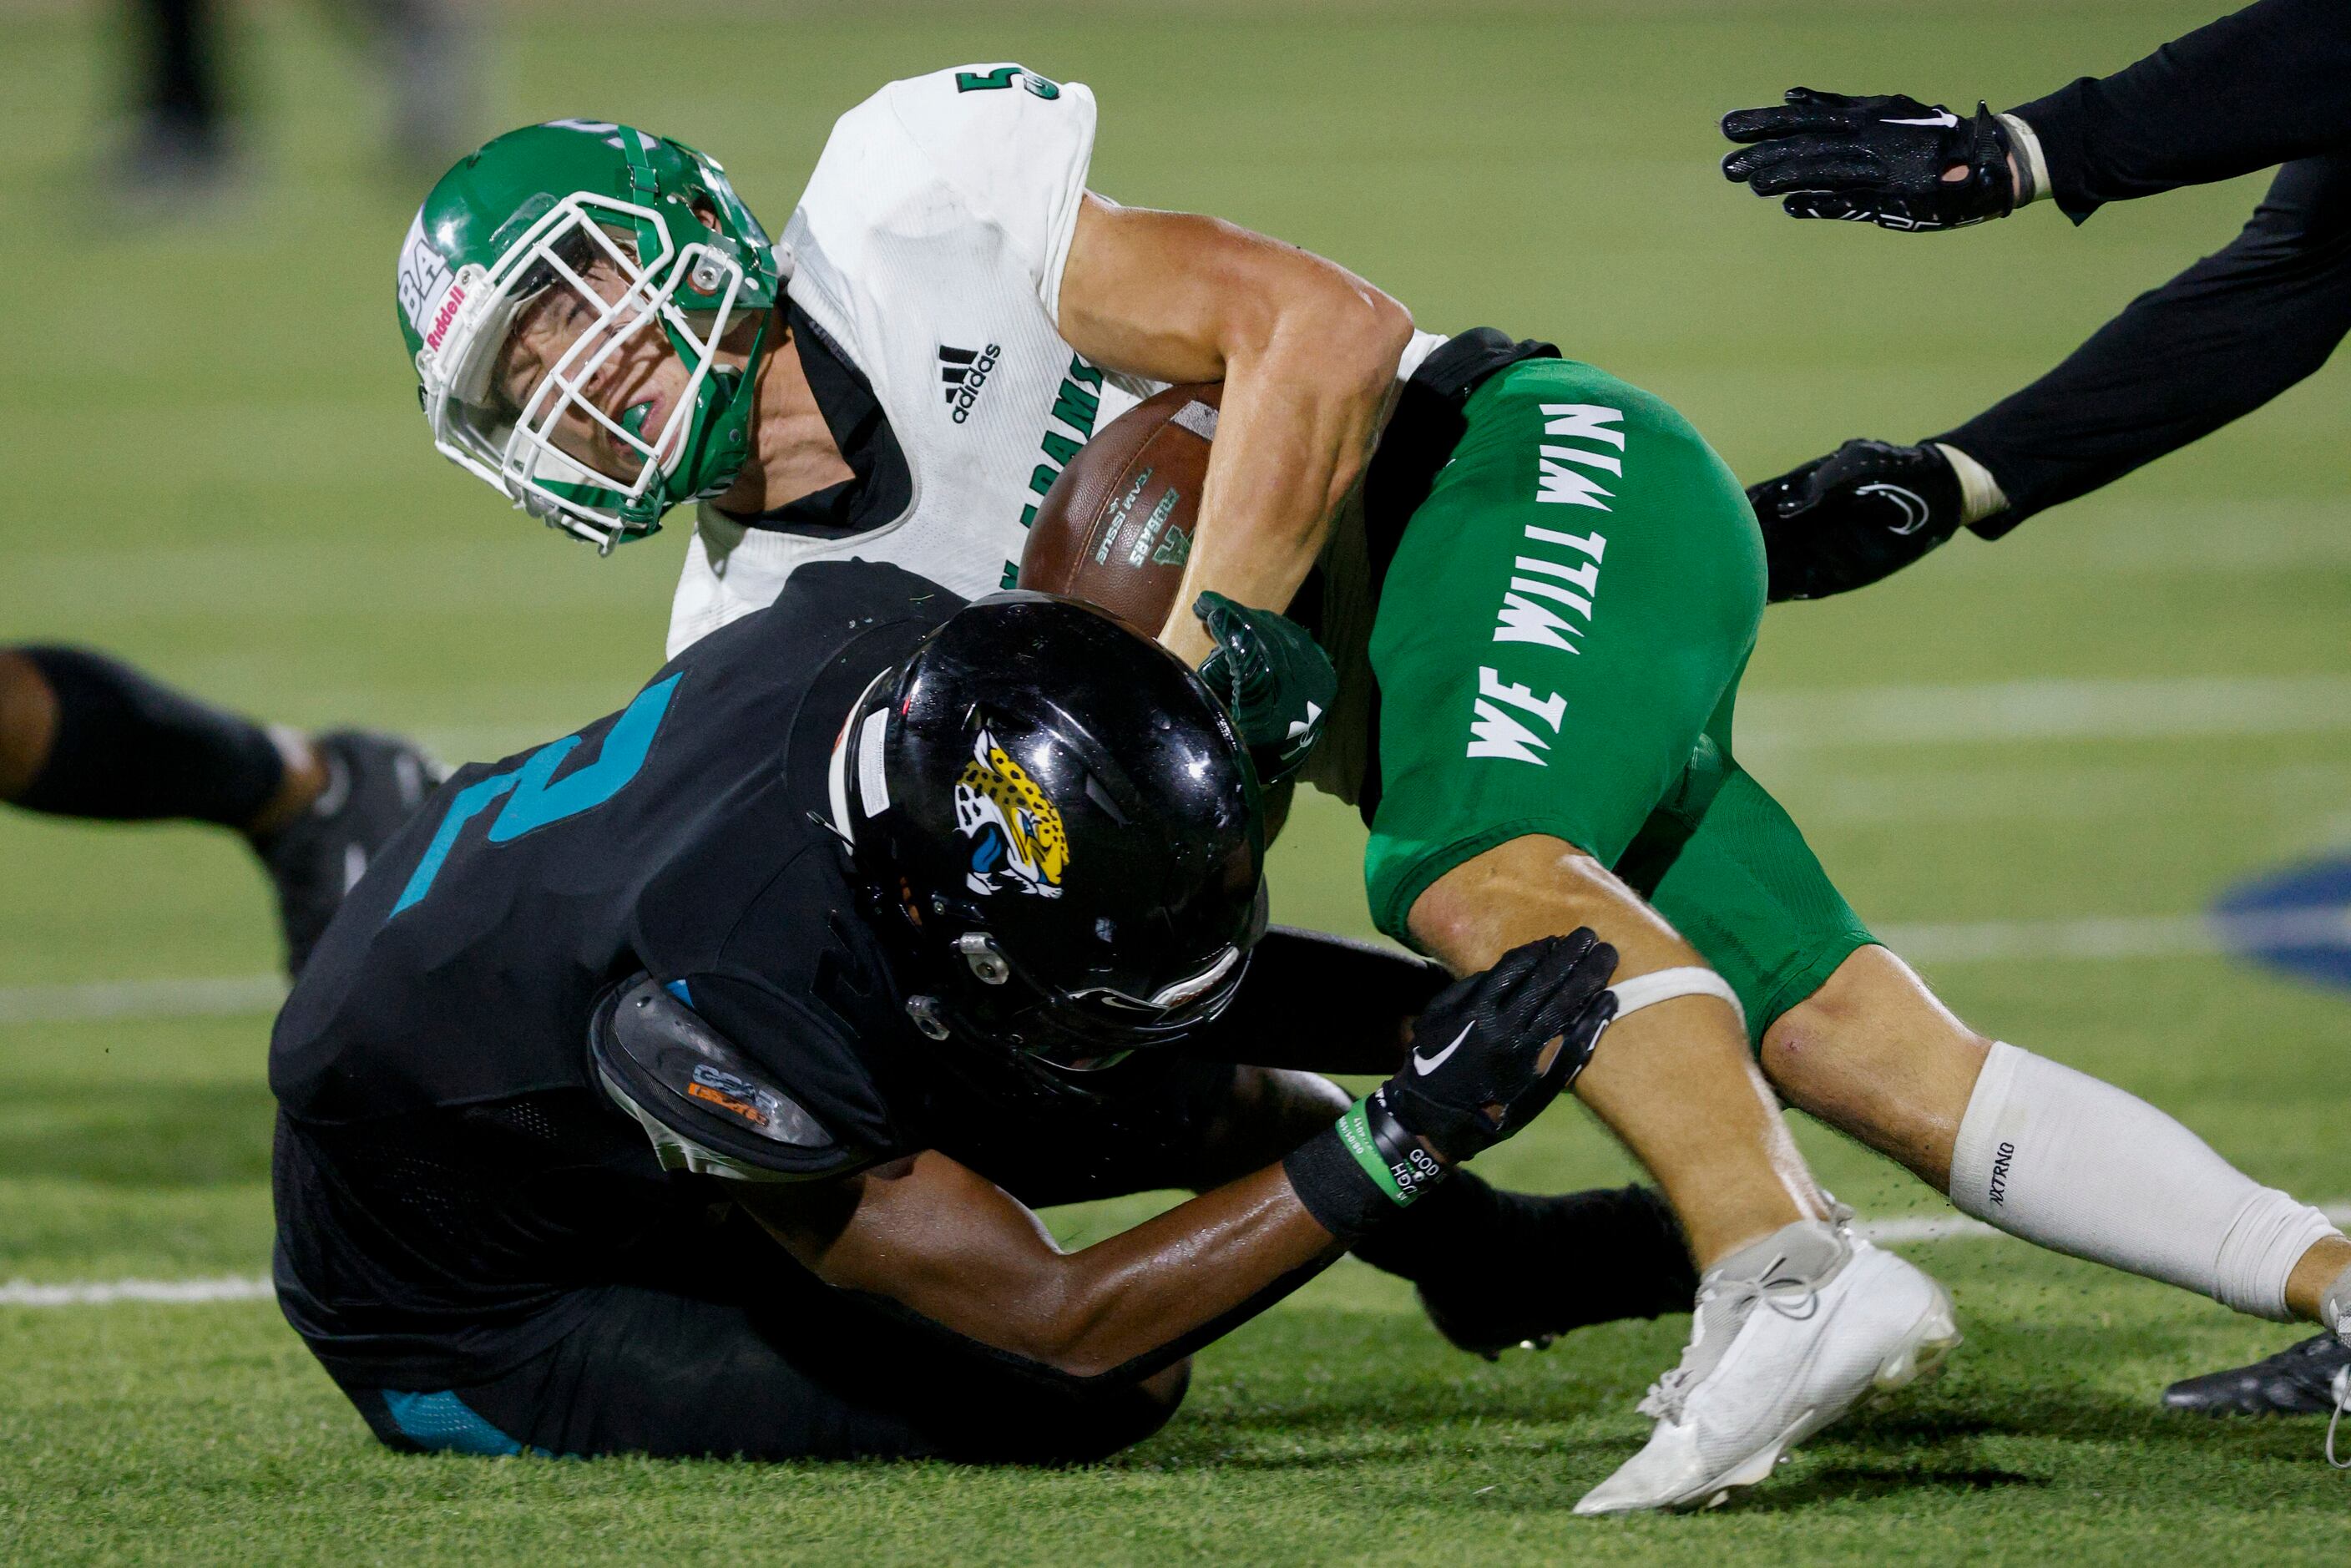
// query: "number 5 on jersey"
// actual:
[[1004, 77]]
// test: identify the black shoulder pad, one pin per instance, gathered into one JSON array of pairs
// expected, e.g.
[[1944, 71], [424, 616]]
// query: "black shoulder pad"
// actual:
[[686, 1075]]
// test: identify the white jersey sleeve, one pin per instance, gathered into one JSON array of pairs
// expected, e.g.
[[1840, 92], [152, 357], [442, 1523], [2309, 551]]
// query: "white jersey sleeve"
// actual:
[[997, 146]]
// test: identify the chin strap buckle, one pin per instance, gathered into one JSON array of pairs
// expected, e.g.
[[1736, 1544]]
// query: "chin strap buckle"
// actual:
[[928, 1016], [979, 950]]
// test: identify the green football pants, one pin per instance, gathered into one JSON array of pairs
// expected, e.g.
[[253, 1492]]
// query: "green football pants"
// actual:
[[1558, 648]]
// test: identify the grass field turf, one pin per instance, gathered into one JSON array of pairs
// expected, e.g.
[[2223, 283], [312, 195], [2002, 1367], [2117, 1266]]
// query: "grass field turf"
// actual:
[[217, 468]]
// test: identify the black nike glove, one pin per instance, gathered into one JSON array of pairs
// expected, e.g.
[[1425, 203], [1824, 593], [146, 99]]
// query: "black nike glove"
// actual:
[[1872, 159], [1864, 511], [1489, 1053], [1275, 679], [1482, 1064]]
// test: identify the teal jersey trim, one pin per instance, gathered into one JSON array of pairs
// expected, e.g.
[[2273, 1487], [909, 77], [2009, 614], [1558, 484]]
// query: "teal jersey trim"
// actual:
[[446, 1425]]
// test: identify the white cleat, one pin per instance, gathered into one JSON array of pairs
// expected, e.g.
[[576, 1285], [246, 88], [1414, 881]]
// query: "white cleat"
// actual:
[[1790, 1333]]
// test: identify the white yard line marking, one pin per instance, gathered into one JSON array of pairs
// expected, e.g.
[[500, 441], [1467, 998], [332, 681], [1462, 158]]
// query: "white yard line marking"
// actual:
[[1944, 793], [1923, 1228], [256, 1287], [108, 1293], [2156, 538], [2118, 937], [2046, 710], [217, 996]]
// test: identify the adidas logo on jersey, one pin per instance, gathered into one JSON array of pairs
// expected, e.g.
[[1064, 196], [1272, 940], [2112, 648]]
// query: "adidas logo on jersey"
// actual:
[[965, 371]]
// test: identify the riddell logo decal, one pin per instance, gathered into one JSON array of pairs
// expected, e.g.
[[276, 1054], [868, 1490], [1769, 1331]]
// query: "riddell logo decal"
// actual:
[[442, 317], [424, 277], [2000, 1158]]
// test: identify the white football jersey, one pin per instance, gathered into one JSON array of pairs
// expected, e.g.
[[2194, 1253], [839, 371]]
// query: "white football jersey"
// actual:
[[925, 259], [926, 254]]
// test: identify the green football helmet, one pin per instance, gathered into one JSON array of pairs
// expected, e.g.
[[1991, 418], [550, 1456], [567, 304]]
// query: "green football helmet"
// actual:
[[536, 209]]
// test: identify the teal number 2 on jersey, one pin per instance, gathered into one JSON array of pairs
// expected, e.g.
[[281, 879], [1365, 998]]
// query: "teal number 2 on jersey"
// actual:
[[532, 801]]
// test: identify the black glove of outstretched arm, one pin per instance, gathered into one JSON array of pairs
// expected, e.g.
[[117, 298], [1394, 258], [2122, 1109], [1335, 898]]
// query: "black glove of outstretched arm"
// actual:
[[1489, 1052], [1863, 512], [1883, 160]]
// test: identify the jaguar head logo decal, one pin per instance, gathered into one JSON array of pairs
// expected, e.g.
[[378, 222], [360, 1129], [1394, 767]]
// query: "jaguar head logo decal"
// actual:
[[1018, 844]]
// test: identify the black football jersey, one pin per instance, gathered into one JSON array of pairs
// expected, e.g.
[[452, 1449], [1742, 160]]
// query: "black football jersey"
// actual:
[[452, 1166]]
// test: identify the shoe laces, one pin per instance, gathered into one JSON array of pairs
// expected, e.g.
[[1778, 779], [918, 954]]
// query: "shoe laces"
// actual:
[[2342, 1392], [1792, 1297]]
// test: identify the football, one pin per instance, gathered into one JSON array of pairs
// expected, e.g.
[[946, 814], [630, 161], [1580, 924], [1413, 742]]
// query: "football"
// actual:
[[694, 1088], [1116, 528]]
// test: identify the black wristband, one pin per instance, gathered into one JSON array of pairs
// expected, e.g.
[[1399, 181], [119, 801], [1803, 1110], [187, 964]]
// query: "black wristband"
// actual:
[[1365, 1169]]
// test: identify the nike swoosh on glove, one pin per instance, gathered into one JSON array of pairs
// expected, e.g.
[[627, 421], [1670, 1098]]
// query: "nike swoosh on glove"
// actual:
[[1878, 160], [1483, 1063], [1862, 513]]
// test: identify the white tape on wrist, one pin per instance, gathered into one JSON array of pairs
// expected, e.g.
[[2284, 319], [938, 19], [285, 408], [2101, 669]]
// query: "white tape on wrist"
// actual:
[[2022, 137], [1980, 496], [1664, 984]]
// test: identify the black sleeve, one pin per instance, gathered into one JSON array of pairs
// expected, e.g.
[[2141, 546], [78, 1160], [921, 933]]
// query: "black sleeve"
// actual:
[[1321, 1004], [2217, 341], [2267, 84]]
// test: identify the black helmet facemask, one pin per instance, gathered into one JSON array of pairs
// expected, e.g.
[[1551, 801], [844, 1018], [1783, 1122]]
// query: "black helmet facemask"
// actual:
[[1060, 832]]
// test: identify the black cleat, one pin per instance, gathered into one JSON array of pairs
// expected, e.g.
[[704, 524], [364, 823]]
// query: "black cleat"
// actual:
[[374, 784], [1578, 1258], [2306, 1379]]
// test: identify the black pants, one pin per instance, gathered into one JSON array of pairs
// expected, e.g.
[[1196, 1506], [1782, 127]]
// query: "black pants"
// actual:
[[731, 1348], [770, 1363]]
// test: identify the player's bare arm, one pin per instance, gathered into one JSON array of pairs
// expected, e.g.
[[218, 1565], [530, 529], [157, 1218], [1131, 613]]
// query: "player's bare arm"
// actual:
[[948, 1244], [1307, 352], [954, 1247]]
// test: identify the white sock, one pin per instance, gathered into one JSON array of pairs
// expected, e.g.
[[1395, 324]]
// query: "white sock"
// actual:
[[2063, 1160]]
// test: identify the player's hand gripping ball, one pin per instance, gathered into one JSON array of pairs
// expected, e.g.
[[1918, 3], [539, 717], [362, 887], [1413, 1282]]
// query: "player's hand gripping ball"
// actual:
[[1116, 530], [1275, 679]]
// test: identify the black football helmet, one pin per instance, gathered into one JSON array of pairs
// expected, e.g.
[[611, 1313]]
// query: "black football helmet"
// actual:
[[1060, 829]]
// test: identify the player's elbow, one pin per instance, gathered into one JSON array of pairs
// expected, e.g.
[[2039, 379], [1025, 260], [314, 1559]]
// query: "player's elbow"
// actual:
[[1072, 1339], [1379, 326], [1314, 325], [1086, 1331], [1352, 336]]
